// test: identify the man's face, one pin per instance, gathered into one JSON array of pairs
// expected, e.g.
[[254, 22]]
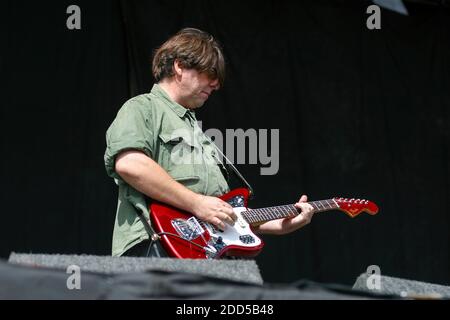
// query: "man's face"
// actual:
[[195, 88]]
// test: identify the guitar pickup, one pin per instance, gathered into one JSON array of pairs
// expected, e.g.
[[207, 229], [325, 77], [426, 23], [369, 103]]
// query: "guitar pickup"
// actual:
[[188, 229], [247, 239]]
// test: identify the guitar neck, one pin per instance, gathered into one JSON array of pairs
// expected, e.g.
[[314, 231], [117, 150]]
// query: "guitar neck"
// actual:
[[256, 216]]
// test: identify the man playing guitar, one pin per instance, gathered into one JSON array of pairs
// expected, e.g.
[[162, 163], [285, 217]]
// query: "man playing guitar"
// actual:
[[141, 143]]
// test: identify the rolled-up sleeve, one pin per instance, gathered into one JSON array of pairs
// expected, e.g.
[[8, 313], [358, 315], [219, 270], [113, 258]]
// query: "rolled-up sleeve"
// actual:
[[131, 130]]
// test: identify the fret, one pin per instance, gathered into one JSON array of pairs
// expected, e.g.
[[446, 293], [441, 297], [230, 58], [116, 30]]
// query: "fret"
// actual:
[[263, 214], [330, 205], [246, 217], [276, 213], [293, 210], [313, 203], [286, 211], [335, 203], [259, 213], [273, 213], [254, 216], [251, 216], [321, 204], [283, 212], [269, 214], [280, 212], [255, 213]]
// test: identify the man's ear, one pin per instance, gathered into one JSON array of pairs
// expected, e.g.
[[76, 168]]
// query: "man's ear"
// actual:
[[177, 68]]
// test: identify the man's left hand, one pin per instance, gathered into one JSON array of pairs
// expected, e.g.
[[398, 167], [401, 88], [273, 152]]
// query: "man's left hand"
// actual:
[[290, 224]]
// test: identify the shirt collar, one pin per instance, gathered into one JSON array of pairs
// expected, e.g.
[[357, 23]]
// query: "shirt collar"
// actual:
[[177, 108]]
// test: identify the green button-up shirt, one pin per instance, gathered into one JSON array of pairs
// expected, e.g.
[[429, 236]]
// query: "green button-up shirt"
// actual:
[[170, 135]]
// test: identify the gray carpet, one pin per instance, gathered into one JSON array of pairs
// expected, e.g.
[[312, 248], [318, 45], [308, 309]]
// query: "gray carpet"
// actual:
[[405, 288], [236, 270]]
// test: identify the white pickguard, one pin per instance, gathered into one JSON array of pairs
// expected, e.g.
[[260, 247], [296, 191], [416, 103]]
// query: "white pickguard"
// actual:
[[240, 234]]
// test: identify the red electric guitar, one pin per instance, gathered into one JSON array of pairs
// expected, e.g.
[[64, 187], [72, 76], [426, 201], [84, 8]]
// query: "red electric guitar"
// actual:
[[185, 236]]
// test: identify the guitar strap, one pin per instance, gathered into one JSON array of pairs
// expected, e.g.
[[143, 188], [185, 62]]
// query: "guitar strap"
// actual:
[[229, 164]]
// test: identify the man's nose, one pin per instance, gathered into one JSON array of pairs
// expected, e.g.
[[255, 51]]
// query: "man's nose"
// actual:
[[214, 84]]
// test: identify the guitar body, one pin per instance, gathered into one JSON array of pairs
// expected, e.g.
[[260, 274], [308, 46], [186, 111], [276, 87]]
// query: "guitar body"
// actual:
[[185, 236]]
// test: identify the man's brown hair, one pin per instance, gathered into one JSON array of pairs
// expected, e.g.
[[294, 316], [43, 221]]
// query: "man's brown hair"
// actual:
[[194, 49]]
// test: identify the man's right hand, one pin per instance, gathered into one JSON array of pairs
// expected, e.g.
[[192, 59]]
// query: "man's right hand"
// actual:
[[215, 211], [148, 177]]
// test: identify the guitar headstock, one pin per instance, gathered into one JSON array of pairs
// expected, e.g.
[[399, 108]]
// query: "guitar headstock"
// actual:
[[354, 207]]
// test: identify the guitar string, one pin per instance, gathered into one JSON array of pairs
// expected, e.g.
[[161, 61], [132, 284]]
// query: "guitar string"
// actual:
[[281, 211]]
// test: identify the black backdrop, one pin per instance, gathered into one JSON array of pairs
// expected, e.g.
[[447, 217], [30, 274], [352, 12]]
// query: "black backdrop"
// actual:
[[361, 113]]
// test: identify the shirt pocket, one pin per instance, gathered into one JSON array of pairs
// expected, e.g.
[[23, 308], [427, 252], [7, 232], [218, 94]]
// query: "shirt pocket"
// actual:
[[181, 158]]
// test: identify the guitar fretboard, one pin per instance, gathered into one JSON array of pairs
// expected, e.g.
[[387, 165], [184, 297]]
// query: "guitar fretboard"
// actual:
[[289, 210]]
